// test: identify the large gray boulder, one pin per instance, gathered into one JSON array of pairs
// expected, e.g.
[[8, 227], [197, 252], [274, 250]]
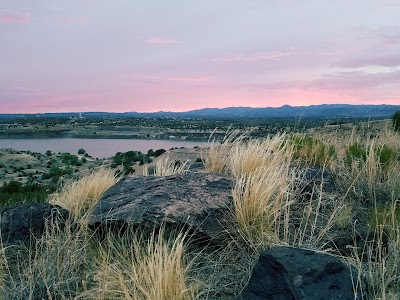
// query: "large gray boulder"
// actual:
[[197, 201], [19, 223], [285, 273]]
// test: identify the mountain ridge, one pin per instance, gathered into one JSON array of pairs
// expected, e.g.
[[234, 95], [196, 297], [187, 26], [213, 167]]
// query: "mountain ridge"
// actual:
[[244, 112]]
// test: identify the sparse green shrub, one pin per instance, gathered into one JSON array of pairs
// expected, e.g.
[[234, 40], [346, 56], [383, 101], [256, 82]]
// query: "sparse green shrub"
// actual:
[[311, 151], [355, 152], [69, 159], [386, 156], [15, 192]]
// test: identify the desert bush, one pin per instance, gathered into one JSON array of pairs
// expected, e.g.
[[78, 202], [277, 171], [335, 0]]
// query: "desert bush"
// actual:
[[79, 197], [136, 266]]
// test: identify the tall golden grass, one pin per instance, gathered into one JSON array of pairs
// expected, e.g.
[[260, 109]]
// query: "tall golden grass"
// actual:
[[81, 196], [262, 182]]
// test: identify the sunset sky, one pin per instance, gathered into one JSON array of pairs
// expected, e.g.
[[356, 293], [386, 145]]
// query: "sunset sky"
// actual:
[[128, 55]]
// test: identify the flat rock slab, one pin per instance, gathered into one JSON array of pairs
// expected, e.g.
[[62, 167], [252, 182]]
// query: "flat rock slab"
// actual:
[[285, 273], [198, 201]]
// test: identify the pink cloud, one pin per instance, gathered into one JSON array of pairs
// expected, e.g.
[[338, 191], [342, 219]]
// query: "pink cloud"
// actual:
[[13, 16], [160, 41], [191, 79], [251, 58]]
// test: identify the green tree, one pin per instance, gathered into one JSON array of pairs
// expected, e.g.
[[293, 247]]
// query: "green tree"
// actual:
[[81, 151], [396, 121]]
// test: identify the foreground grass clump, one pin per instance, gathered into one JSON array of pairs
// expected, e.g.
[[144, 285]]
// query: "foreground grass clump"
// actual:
[[81, 196], [137, 267], [53, 266], [379, 260]]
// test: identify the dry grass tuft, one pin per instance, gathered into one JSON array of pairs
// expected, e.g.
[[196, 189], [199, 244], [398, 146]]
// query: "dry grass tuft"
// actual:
[[135, 267], [166, 167], [247, 156], [260, 192], [81, 196], [216, 155]]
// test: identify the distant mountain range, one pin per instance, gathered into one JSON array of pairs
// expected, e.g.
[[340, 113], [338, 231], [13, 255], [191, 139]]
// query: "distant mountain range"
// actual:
[[326, 111]]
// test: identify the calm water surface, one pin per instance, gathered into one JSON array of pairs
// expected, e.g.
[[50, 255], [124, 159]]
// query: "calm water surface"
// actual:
[[100, 148]]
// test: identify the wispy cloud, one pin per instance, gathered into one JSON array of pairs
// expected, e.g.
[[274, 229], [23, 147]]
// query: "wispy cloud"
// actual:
[[341, 81], [252, 58], [13, 16], [392, 60], [76, 21], [160, 41]]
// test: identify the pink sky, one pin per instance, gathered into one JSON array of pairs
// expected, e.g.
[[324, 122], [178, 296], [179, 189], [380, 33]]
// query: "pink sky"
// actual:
[[176, 56]]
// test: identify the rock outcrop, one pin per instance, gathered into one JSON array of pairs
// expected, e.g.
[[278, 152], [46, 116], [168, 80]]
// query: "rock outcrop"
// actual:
[[285, 273], [197, 201], [18, 223]]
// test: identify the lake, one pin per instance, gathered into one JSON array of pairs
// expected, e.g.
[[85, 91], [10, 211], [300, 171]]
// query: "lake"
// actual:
[[101, 148]]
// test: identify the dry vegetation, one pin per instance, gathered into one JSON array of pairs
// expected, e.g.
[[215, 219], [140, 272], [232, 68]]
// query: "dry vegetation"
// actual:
[[81, 196], [270, 208]]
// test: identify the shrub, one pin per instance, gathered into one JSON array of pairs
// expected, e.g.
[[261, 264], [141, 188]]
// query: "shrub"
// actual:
[[396, 121], [81, 151], [69, 159], [159, 152]]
